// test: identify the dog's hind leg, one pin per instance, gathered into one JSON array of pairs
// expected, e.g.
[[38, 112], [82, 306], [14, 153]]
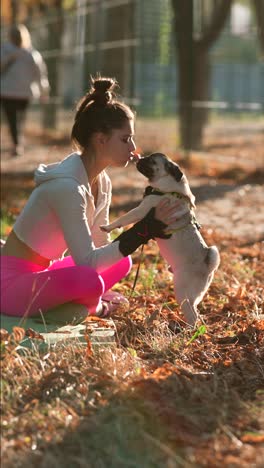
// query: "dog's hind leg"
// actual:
[[189, 311], [186, 302], [189, 293]]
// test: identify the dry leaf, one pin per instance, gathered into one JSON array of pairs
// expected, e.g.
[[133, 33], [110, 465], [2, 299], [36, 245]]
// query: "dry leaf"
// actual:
[[34, 334], [253, 438], [3, 334], [18, 334]]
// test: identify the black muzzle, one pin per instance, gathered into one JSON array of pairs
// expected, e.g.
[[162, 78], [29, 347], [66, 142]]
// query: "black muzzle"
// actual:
[[144, 166]]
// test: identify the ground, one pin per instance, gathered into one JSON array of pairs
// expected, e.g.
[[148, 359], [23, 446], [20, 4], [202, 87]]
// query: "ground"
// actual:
[[166, 396]]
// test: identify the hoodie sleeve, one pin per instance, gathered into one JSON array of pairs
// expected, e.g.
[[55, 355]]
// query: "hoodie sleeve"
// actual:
[[102, 212], [40, 73], [69, 204]]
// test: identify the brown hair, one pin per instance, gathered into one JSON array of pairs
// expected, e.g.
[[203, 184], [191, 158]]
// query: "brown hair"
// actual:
[[99, 111], [19, 35]]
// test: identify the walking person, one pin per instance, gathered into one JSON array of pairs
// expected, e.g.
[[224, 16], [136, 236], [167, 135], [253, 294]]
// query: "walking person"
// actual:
[[65, 211], [23, 77]]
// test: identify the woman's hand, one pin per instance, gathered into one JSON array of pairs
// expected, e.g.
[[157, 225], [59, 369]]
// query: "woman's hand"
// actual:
[[166, 210]]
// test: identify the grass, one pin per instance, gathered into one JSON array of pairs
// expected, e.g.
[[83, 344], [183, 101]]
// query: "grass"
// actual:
[[165, 396], [7, 220], [160, 398]]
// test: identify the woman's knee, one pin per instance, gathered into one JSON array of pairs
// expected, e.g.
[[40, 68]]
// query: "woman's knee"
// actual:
[[83, 280]]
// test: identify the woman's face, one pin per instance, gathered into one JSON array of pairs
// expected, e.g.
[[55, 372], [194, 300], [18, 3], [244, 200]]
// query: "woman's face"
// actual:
[[119, 145]]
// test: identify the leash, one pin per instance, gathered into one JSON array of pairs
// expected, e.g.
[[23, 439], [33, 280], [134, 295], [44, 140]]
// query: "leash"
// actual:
[[137, 272]]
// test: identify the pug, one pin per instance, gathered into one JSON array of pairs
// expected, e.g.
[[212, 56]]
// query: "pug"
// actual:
[[191, 261]]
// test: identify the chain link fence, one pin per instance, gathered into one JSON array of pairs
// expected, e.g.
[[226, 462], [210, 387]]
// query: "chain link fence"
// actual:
[[133, 40]]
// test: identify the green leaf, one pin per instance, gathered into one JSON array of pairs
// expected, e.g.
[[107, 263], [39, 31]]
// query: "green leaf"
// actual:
[[200, 331]]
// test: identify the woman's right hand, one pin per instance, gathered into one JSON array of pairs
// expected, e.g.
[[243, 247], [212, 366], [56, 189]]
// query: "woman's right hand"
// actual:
[[166, 210]]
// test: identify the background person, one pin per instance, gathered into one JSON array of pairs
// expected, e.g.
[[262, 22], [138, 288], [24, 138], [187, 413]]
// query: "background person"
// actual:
[[64, 213], [23, 77]]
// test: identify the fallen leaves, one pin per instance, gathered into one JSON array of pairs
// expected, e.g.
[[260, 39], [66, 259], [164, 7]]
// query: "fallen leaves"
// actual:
[[33, 334], [253, 438], [98, 322], [189, 380]]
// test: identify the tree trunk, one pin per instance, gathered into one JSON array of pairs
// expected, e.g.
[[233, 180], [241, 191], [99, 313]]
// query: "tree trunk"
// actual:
[[55, 31], [259, 9], [184, 58], [194, 78], [193, 72], [201, 94], [14, 11], [192, 57]]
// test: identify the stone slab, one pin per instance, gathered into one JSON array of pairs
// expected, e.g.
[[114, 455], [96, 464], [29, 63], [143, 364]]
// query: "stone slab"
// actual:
[[70, 334], [55, 330]]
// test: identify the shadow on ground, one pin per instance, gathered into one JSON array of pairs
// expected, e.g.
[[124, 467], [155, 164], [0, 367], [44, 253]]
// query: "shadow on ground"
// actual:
[[177, 418], [17, 186]]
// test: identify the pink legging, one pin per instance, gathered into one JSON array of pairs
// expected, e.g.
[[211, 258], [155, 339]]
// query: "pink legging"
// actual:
[[27, 288]]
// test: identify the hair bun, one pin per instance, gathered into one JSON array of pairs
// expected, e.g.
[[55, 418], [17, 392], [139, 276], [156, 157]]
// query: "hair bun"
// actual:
[[102, 91]]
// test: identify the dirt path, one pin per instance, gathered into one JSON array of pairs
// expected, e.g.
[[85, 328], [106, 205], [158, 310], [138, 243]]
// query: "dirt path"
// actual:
[[227, 206]]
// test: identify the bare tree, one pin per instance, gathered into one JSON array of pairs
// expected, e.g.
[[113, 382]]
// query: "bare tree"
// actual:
[[192, 49], [55, 25], [14, 11], [259, 9]]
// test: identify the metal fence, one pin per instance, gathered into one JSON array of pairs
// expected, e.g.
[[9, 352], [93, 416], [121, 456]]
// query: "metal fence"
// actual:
[[133, 40]]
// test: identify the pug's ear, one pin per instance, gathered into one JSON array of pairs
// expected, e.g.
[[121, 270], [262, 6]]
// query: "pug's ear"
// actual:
[[174, 170]]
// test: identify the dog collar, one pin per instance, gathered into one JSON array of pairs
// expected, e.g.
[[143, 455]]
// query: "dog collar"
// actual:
[[151, 191]]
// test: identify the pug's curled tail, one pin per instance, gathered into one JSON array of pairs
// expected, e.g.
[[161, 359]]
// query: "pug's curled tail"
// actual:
[[212, 258]]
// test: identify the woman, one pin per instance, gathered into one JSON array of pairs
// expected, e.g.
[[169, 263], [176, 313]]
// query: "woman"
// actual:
[[23, 76], [64, 213]]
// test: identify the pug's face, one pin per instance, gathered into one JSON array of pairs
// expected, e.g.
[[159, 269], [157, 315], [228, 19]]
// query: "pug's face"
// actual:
[[157, 165]]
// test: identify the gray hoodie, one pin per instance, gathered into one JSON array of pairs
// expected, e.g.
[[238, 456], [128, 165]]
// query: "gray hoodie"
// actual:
[[60, 215], [23, 73]]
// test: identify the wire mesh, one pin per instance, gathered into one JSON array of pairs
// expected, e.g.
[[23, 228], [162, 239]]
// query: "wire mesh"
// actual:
[[134, 41]]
